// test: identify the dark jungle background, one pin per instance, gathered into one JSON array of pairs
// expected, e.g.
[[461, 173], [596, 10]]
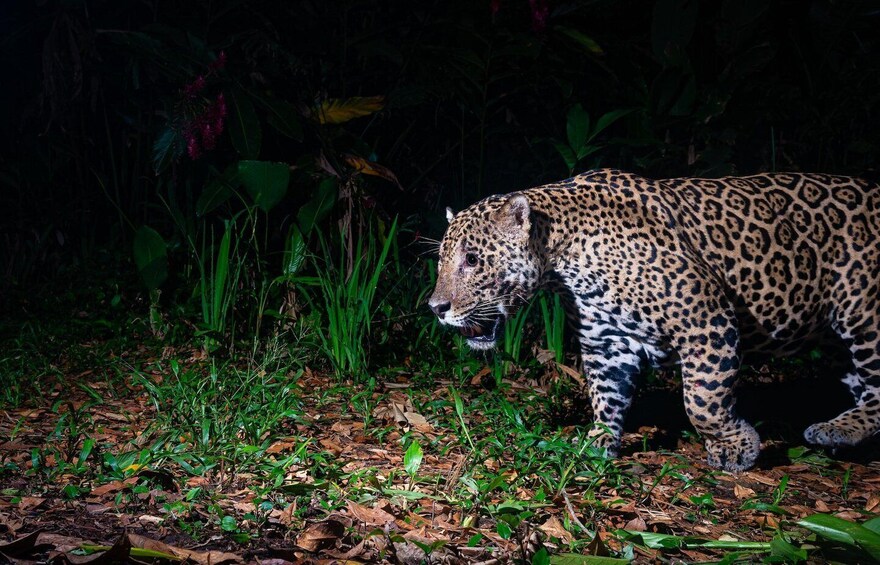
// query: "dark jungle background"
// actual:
[[111, 117]]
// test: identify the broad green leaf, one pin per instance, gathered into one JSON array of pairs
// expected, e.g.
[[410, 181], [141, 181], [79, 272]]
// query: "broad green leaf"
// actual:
[[294, 252], [873, 524], [143, 553], [218, 190], [576, 559], [166, 149], [88, 445], [788, 552], [412, 459], [244, 127], [567, 155], [584, 41], [337, 111], [607, 119], [503, 529], [541, 557], [763, 507], [577, 125], [410, 494], [843, 531], [228, 524], [283, 117], [150, 257], [667, 541], [321, 203], [266, 182]]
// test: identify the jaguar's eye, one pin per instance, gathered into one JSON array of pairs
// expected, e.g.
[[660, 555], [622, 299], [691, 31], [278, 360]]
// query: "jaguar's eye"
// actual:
[[471, 259]]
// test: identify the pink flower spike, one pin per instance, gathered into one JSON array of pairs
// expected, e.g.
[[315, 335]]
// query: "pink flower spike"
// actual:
[[192, 147], [217, 64], [540, 12]]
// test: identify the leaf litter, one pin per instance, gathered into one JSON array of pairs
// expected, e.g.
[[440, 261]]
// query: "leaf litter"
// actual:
[[357, 497]]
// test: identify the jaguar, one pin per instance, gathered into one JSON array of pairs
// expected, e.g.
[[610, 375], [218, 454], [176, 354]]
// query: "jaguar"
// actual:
[[696, 272]]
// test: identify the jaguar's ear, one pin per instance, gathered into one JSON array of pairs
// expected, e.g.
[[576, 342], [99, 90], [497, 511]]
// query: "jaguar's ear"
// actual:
[[449, 214], [514, 217]]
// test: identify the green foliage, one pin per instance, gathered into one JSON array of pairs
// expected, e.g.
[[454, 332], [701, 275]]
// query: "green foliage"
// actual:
[[553, 316], [150, 257], [218, 286], [864, 537], [580, 136], [266, 183], [222, 413], [348, 289]]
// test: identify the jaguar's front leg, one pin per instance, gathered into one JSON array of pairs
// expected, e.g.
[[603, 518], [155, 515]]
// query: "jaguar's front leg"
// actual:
[[610, 368]]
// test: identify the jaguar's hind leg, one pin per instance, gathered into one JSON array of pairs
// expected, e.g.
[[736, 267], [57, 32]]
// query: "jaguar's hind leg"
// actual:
[[863, 420], [709, 365]]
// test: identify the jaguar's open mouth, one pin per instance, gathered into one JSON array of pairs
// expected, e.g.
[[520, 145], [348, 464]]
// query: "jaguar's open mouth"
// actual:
[[483, 335]]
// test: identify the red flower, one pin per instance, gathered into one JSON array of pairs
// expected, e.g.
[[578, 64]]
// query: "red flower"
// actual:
[[203, 119], [540, 12], [494, 6], [192, 89], [202, 130], [218, 63]]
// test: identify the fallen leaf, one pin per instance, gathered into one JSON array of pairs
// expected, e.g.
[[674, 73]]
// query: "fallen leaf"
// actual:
[[113, 487], [320, 535], [20, 546], [117, 553], [201, 557], [742, 492], [637, 524], [340, 427], [30, 502], [370, 516], [554, 528]]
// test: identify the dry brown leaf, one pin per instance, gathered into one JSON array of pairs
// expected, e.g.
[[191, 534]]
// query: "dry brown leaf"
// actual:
[[418, 421], [742, 492], [850, 515], [370, 516], [340, 427], [320, 535], [478, 378], [30, 502], [574, 374], [61, 544], [398, 412], [200, 557], [637, 524], [286, 444], [330, 446], [764, 480], [418, 521], [821, 506], [114, 486], [554, 528], [873, 504], [767, 521]]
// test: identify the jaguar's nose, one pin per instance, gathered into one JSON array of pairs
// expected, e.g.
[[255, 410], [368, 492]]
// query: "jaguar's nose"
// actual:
[[439, 308]]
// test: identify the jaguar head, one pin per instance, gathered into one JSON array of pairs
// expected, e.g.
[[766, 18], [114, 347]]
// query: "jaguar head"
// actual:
[[487, 268]]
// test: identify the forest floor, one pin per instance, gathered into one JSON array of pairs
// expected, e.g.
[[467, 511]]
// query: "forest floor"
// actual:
[[123, 449]]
